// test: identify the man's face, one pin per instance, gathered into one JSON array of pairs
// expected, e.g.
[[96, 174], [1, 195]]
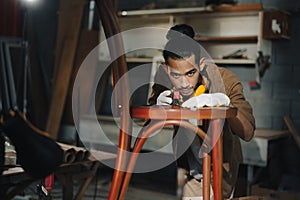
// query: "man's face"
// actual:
[[184, 74]]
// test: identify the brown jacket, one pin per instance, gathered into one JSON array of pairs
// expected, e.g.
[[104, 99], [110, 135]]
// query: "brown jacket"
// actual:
[[232, 154]]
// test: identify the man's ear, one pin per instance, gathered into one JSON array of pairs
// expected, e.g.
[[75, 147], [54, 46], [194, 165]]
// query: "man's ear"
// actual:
[[164, 66], [202, 63]]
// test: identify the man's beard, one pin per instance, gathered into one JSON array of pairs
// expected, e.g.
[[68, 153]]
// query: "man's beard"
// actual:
[[186, 97]]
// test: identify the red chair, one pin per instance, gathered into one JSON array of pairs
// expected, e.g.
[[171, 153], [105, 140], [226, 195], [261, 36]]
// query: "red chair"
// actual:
[[171, 116]]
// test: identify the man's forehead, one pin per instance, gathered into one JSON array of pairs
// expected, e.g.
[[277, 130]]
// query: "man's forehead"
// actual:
[[182, 70], [182, 65]]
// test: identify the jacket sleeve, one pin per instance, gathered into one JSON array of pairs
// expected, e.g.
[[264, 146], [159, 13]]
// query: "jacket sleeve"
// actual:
[[243, 124]]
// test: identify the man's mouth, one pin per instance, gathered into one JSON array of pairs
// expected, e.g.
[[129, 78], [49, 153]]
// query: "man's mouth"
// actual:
[[186, 91]]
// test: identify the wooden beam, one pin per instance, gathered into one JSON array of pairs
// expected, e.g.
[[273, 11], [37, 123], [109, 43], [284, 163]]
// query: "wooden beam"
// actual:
[[88, 40], [238, 8], [72, 10], [289, 123]]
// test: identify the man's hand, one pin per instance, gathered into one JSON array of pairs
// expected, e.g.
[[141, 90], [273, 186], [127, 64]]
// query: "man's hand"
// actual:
[[164, 98], [215, 99]]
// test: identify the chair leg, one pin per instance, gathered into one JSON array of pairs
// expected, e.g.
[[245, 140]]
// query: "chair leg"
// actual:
[[121, 162], [206, 167], [217, 157]]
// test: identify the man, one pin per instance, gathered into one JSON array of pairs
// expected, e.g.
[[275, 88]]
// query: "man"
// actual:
[[184, 71]]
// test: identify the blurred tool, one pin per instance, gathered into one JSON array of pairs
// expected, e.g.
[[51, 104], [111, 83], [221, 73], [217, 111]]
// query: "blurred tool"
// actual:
[[240, 53], [261, 65], [200, 90], [263, 62], [177, 100], [43, 193]]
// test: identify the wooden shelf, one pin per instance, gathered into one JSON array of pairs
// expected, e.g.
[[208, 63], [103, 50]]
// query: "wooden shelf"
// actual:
[[138, 59], [133, 60], [216, 61], [238, 8], [235, 61], [164, 11], [204, 9], [215, 27], [251, 38]]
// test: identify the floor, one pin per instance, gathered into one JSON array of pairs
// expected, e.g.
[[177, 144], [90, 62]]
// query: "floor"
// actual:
[[142, 187]]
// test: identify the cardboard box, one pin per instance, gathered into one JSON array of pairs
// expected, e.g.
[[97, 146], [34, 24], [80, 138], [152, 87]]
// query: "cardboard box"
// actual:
[[274, 194]]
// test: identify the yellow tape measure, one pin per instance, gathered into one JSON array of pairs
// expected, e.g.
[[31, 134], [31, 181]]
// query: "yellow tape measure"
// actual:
[[200, 90]]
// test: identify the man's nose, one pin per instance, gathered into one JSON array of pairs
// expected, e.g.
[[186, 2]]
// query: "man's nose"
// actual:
[[184, 82]]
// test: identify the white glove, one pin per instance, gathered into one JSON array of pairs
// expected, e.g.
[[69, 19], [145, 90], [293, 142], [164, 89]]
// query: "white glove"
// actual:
[[164, 98], [215, 99]]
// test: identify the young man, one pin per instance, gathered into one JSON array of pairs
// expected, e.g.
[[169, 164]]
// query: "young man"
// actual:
[[184, 71]]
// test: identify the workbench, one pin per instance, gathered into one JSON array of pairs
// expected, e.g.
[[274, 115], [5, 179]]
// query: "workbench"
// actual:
[[256, 152], [14, 180]]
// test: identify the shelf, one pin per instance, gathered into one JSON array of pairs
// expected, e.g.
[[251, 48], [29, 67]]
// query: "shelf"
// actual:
[[132, 60], [235, 61], [219, 30], [138, 59], [251, 38], [216, 61], [204, 9], [164, 11], [238, 8]]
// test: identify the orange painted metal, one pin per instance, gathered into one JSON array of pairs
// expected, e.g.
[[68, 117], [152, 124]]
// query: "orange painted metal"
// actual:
[[142, 139], [167, 112], [206, 167], [119, 68], [177, 115], [217, 157]]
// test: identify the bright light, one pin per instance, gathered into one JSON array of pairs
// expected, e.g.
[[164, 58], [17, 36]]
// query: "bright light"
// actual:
[[124, 13], [29, 1]]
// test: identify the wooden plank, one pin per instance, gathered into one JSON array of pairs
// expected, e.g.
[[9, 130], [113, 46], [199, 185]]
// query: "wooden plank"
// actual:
[[250, 38], [66, 23], [36, 87], [87, 182], [18, 188], [63, 74], [60, 89], [238, 8], [270, 134], [61, 29], [289, 123], [88, 40]]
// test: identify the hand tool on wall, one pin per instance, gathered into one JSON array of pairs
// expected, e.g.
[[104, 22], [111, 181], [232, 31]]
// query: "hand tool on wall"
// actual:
[[240, 53], [261, 65], [263, 62]]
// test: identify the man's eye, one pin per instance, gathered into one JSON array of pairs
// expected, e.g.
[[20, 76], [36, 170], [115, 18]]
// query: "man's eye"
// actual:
[[191, 73], [175, 75]]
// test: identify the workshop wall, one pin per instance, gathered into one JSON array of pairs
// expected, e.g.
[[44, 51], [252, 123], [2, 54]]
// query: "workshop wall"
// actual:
[[279, 93], [280, 87]]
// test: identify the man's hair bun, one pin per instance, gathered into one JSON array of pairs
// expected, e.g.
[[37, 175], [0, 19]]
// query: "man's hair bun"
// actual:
[[179, 31]]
